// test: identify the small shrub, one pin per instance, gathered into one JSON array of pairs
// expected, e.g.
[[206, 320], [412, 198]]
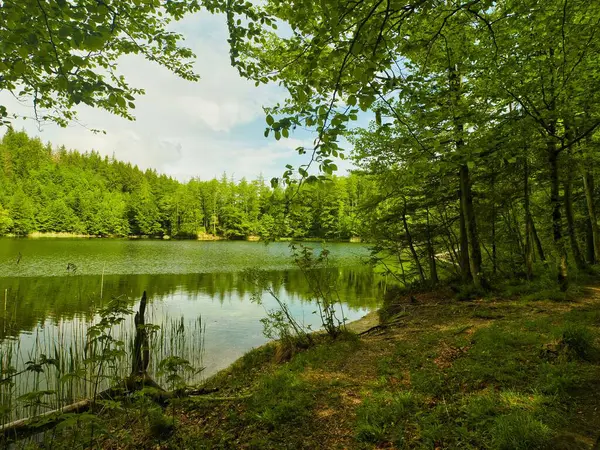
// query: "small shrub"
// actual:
[[322, 283], [555, 295], [470, 292], [394, 302], [578, 340], [160, 425], [520, 431]]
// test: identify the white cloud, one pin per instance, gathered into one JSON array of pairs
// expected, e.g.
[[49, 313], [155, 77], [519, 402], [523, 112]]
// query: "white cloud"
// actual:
[[185, 129], [237, 158]]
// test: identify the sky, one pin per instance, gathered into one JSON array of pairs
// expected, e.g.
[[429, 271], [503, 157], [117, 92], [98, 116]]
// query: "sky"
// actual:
[[186, 129]]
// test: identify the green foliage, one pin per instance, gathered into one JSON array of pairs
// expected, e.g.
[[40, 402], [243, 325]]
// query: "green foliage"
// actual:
[[279, 323], [322, 283], [160, 426], [578, 339], [558, 379], [56, 63], [173, 368]]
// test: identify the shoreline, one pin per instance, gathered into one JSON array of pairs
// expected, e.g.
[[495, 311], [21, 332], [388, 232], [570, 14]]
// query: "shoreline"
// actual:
[[366, 322], [204, 237]]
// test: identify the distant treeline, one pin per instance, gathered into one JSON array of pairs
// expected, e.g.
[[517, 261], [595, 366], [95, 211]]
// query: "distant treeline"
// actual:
[[49, 190]]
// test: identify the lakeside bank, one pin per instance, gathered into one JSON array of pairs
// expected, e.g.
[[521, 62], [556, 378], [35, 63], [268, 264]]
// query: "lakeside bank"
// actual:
[[501, 373]]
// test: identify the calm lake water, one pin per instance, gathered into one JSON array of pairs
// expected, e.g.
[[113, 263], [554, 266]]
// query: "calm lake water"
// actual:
[[52, 289]]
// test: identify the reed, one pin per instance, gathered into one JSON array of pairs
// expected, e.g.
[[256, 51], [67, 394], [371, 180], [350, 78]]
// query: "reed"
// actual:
[[62, 362]]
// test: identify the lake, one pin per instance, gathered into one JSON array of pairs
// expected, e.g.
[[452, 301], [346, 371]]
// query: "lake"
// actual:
[[52, 290]]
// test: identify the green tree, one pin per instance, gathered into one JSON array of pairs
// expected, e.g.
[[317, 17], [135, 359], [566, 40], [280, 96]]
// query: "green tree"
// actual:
[[21, 212], [6, 223]]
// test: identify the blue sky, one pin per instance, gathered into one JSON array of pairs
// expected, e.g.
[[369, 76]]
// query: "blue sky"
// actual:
[[186, 129]]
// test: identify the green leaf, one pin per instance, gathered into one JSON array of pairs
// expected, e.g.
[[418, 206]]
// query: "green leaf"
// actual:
[[19, 67]]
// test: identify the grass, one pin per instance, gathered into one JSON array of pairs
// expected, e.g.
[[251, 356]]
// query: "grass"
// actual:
[[498, 373], [520, 431]]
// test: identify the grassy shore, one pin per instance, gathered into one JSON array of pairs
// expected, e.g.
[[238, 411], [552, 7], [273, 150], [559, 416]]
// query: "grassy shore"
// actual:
[[439, 373]]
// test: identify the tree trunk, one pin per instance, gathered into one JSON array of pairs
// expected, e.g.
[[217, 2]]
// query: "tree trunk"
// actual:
[[453, 240], [433, 275], [141, 346], [466, 195], [471, 225], [494, 218], [537, 240], [528, 222], [588, 185], [399, 255], [411, 246], [589, 242], [494, 246], [465, 270], [568, 187], [517, 228], [568, 200], [559, 243]]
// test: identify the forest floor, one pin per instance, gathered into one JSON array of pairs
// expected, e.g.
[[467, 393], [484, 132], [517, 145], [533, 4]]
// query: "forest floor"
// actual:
[[517, 373]]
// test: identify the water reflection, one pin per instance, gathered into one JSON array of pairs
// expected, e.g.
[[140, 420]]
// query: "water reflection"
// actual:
[[31, 301]]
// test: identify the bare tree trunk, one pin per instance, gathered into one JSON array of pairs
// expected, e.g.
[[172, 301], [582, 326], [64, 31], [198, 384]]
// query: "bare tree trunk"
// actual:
[[411, 246], [537, 240], [433, 275], [559, 243], [528, 233], [470, 252], [517, 229], [141, 346], [588, 185], [465, 269], [453, 240], [494, 218], [471, 225], [568, 200], [589, 242], [399, 255], [568, 187]]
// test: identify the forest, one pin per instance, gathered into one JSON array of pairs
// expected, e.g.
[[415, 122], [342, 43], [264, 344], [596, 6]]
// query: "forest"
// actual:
[[474, 131], [48, 190]]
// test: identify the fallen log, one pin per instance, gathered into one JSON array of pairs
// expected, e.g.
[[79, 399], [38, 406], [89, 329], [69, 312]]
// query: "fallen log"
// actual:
[[32, 425]]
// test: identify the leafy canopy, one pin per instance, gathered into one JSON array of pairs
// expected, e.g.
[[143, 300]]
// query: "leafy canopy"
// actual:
[[62, 53]]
